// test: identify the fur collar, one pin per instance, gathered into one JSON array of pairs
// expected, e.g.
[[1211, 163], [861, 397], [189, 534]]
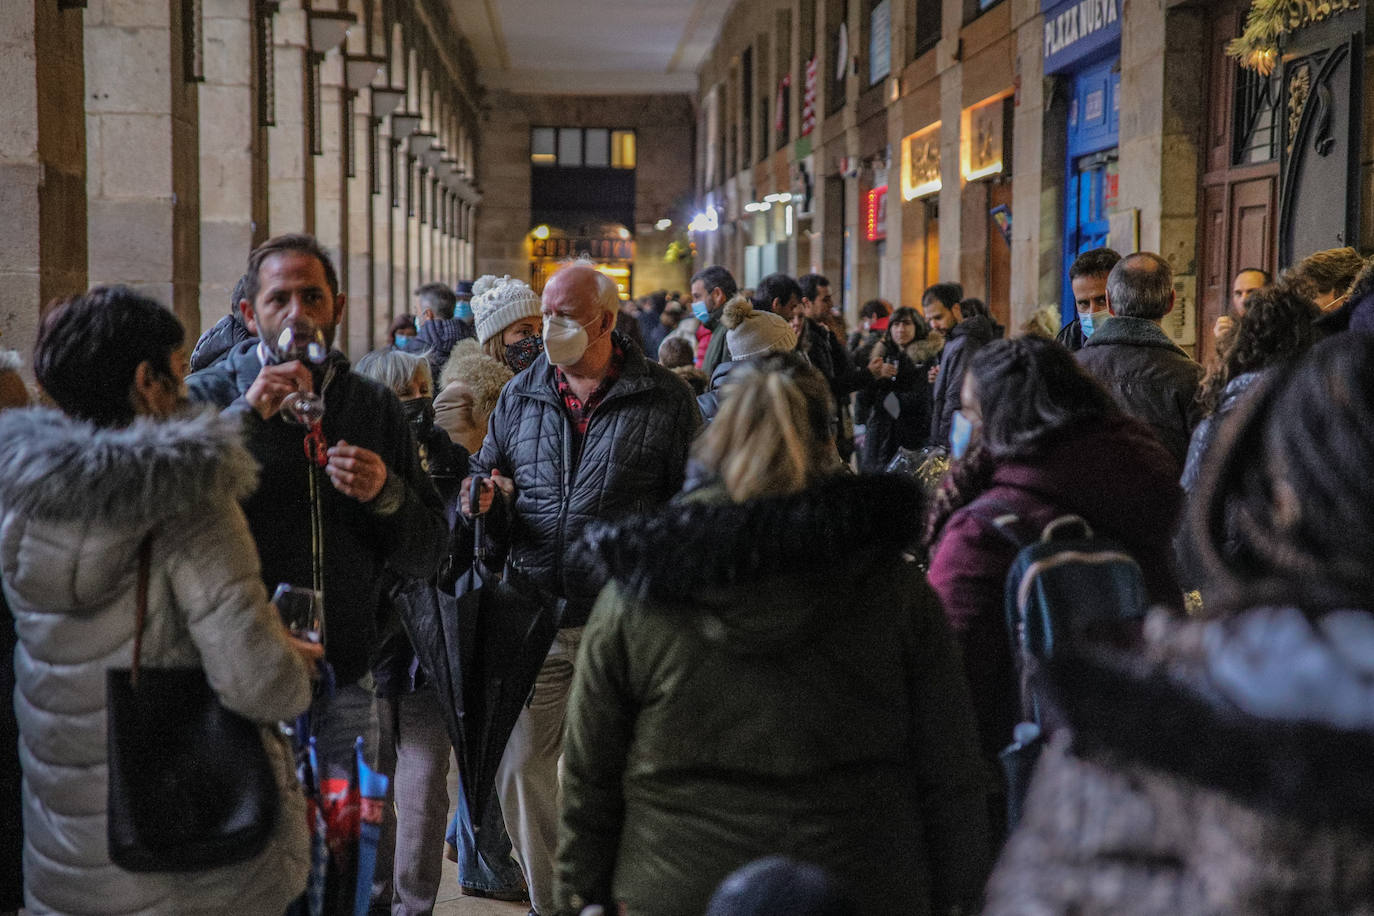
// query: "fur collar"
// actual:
[[55, 467], [1177, 718], [1136, 332], [701, 545]]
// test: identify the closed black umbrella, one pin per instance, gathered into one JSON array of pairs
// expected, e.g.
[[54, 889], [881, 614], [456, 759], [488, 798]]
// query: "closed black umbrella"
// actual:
[[482, 645]]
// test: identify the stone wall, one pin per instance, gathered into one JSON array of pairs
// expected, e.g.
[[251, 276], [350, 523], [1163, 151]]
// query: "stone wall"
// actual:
[[663, 126]]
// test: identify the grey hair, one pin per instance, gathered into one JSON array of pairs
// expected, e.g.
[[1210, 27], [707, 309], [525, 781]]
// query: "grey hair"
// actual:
[[1140, 285], [10, 361], [609, 293], [394, 369]]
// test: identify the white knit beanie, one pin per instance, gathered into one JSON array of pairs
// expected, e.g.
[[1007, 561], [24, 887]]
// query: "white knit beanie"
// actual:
[[754, 333], [499, 302]]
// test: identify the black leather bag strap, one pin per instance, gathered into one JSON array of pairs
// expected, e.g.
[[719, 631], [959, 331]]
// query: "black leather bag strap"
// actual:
[[145, 563]]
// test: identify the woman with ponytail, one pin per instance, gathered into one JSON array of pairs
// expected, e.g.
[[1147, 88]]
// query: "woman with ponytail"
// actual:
[[1036, 438], [1231, 768], [768, 673]]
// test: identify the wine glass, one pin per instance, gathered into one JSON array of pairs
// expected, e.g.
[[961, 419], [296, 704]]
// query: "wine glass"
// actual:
[[300, 339], [302, 611]]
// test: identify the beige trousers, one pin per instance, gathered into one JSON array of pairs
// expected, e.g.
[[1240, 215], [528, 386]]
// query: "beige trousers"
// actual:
[[527, 780]]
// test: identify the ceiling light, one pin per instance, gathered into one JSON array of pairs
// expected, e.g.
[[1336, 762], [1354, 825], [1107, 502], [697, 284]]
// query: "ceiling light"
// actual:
[[403, 124], [540, 232], [328, 29], [421, 141], [386, 100], [361, 70], [708, 221], [663, 224]]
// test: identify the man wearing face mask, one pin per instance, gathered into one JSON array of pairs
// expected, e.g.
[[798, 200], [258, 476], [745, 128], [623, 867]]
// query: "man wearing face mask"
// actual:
[[1088, 279], [711, 289], [591, 431]]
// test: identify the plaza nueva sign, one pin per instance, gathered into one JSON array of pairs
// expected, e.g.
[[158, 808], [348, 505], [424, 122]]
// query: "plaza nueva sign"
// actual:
[[1077, 28]]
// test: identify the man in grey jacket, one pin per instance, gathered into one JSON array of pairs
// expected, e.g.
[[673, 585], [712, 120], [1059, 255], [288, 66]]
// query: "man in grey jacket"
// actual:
[[1150, 377]]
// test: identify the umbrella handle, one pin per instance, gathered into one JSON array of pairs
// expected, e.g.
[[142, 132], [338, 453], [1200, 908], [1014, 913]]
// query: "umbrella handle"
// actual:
[[479, 547]]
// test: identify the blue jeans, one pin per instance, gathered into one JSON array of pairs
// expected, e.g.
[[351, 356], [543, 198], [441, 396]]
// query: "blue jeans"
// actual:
[[486, 864]]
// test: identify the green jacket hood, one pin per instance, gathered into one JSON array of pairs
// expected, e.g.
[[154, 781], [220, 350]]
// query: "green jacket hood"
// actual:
[[760, 575]]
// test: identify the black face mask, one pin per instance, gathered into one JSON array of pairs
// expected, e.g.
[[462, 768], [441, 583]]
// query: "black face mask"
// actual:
[[419, 413], [522, 354]]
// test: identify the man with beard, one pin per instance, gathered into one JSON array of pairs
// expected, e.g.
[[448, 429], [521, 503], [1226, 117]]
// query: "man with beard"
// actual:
[[376, 507]]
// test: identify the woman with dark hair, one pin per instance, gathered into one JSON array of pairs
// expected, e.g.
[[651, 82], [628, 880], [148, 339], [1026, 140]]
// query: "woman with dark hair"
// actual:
[[1231, 768], [1036, 438], [1277, 327], [786, 685], [119, 470], [895, 408]]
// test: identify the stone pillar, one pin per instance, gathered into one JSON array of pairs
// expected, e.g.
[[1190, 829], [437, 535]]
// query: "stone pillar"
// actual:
[[142, 135], [291, 166], [951, 118], [331, 183], [383, 237], [233, 196], [1027, 151], [361, 301], [42, 163]]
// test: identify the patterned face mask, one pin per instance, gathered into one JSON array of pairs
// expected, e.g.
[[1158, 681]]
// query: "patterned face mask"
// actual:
[[522, 354]]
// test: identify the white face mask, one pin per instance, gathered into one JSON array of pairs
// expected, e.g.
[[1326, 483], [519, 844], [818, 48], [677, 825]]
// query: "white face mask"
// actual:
[[565, 341]]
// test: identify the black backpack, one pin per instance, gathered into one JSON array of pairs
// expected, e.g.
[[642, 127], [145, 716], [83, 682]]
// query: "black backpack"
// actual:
[[1065, 588]]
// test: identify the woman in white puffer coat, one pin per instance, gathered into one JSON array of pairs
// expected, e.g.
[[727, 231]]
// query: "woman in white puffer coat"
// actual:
[[79, 490]]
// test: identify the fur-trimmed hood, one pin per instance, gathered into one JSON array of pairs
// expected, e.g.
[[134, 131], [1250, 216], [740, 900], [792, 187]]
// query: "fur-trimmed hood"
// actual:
[[56, 468], [764, 568]]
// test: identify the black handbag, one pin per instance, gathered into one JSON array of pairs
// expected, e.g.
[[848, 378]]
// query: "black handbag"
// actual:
[[190, 784]]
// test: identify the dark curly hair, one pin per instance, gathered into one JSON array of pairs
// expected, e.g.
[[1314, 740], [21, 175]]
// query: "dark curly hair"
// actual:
[[90, 347], [1277, 326], [1031, 391], [1284, 513]]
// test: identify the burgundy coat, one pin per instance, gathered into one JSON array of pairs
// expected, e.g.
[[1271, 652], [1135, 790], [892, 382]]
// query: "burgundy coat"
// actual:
[[1118, 477]]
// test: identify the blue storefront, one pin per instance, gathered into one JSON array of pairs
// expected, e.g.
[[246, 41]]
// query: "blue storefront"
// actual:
[[1083, 46]]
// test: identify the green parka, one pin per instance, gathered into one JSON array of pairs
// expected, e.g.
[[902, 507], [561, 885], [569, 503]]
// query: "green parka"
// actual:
[[772, 677]]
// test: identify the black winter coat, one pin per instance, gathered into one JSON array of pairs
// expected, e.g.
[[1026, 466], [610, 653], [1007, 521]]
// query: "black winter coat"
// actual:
[[1149, 376], [910, 428], [216, 343], [964, 341], [402, 530], [632, 460]]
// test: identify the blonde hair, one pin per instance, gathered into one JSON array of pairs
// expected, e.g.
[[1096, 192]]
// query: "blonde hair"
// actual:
[[773, 433]]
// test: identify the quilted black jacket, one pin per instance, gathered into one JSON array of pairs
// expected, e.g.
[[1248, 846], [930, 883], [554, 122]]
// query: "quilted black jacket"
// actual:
[[633, 459]]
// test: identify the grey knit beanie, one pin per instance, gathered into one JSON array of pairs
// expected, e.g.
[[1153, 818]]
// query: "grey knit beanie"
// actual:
[[752, 333]]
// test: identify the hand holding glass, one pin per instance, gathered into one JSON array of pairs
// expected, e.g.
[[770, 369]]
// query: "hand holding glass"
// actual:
[[302, 611]]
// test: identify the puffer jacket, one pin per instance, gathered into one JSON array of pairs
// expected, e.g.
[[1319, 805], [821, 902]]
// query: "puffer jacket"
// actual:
[[1228, 773], [709, 400], [1149, 376], [964, 340], [75, 503], [216, 343], [632, 459], [786, 684]]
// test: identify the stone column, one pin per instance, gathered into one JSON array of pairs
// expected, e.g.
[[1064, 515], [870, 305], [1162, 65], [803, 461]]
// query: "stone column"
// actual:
[[361, 301], [233, 195], [331, 184], [1027, 151], [383, 238], [951, 118], [142, 134], [291, 167], [42, 163]]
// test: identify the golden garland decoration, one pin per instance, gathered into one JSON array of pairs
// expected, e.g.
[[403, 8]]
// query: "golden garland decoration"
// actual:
[[1257, 48]]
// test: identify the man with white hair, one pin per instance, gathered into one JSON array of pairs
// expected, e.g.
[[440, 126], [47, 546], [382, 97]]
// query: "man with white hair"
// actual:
[[591, 431]]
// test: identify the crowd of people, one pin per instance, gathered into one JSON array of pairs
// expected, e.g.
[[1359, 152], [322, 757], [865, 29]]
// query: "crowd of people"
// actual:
[[781, 677]]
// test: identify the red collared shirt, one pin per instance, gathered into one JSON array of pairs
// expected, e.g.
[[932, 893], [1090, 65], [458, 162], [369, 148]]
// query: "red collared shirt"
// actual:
[[581, 412]]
